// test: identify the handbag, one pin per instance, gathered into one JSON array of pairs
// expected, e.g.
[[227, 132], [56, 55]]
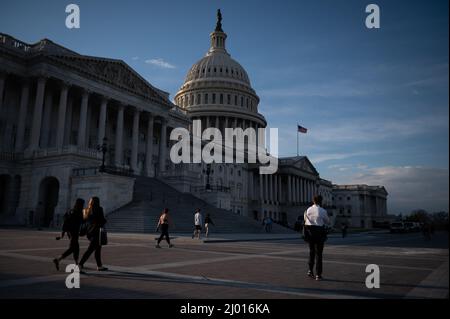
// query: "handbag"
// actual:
[[103, 237], [84, 229]]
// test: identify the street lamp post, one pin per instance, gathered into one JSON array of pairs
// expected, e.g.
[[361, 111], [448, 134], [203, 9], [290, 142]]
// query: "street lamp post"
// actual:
[[104, 149], [208, 171]]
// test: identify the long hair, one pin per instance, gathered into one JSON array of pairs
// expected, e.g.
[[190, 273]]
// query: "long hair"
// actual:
[[79, 204], [94, 203], [165, 211]]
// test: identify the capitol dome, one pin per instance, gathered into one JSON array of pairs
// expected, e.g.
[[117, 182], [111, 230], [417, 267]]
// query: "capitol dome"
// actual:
[[217, 89]]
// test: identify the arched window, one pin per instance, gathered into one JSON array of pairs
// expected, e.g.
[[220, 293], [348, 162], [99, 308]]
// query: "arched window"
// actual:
[[199, 99], [229, 99], [247, 102], [235, 100], [214, 98], [242, 101], [221, 98], [206, 98]]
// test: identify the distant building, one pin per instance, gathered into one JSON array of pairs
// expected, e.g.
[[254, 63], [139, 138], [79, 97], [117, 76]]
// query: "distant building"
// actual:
[[360, 205]]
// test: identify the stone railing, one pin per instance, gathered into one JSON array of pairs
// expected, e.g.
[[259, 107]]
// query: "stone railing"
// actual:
[[10, 156], [211, 189], [66, 150], [93, 171]]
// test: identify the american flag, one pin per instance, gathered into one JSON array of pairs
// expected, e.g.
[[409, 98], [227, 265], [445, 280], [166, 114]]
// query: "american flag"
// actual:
[[302, 129]]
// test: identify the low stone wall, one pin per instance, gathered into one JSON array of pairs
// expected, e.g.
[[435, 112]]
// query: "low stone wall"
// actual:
[[114, 191]]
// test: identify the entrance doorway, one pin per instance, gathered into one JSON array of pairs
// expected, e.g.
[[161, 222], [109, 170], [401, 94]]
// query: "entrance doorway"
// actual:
[[5, 188], [48, 199]]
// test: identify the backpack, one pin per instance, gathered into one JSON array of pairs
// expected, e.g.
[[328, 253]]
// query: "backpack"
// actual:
[[67, 220]]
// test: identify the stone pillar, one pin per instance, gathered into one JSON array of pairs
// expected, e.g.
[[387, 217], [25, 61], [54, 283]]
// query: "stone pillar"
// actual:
[[207, 123], [163, 146], [83, 119], [235, 122], [149, 148], [62, 115], [276, 188], [102, 120], [217, 122], [289, 195], [135, 141], [22, 115], [68, 129], [280, 189], [297, 181], [2, 88], [261, 188], [119, 136], [46, 119], [37, 114]]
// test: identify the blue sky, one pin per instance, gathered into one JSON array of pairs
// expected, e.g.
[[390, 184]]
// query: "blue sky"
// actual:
[[375, 101]]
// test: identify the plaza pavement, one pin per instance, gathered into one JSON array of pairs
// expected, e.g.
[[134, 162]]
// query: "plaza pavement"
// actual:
[[236, 266]]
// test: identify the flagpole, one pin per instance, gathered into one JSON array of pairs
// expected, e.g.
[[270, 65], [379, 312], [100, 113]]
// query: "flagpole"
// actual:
[[297, 140]]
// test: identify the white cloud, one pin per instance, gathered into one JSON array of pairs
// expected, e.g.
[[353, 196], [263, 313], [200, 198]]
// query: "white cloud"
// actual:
[[135, 58], [160, 63], [409, 187]]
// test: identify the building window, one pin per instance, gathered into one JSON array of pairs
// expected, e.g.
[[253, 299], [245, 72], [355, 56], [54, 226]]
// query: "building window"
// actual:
[[242, 101], [247, 102], [214, 98], [348, 198], [198, 99], [229, 99], [235, 100], [221, 98], [206, 98]]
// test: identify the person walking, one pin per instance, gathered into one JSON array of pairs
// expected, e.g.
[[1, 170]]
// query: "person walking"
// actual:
[[344, 230], [164, 222], [208, 221], [72, 222], [197, 224], [316, 218], [95, 219]]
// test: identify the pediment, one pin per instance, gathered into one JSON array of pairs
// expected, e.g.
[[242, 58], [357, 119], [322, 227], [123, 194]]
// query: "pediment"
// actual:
[[115, 72], [305, 165]]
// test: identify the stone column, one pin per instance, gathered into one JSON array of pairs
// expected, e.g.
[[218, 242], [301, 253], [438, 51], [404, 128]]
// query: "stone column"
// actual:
[[83, 119], [261, 188], [119, 136], [68, 129], [217, 122], [207, 123], [22, 114], [235, 122], [135, 141], [163, 146], [2, 88], [62, 115], [289, 197], [37, 114], [102, 120], [46, 119], [276, 187], [280, 189], [297, 180], [149, 148]]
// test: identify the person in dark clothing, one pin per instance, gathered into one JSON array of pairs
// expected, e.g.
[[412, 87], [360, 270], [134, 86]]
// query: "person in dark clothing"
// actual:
[[95, 219], [208, 222], [316, 218], [163, 223], [344, 230], [72, 222]]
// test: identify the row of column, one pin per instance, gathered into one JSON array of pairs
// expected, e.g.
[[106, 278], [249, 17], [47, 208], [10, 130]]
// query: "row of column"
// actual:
[[270, 187], [299, 190], [82, 126]]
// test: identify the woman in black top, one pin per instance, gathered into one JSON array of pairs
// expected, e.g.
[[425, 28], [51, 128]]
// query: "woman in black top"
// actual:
[[95, 219], [72, 222], [163, 223], [208, 222]]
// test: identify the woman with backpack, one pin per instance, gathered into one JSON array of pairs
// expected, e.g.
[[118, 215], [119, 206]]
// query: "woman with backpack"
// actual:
[[94, 220], [72, 222]]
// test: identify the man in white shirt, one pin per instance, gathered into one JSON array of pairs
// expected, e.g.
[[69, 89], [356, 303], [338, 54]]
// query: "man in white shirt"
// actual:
[[198, 218], [315, 220]]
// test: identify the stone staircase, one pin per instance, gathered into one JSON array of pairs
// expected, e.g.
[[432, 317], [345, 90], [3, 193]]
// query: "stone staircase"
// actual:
[[151, 196]]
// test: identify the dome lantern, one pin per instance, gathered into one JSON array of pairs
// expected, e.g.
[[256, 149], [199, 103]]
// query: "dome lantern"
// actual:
[[218, 37]]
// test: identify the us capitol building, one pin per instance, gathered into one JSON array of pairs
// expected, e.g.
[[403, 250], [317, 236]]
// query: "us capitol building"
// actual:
[[73, 126]]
